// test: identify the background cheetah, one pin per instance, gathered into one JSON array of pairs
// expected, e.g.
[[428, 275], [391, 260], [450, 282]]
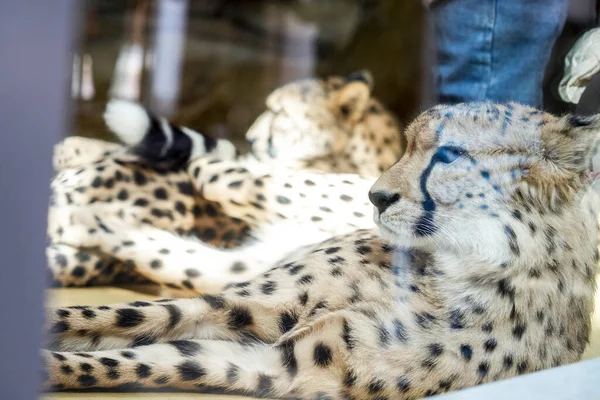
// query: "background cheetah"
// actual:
[[484, 269], [315, 151]]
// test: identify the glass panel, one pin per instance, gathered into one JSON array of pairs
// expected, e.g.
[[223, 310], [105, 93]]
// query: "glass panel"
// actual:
[[326, 199]]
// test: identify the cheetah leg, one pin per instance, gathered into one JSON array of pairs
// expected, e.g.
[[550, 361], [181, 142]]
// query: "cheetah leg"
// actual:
[[243, 192], [230, 316], [264, 196], [266, 307], [167, 259], [221, 181], [298, 332], [308, 368], [79, 328], [70, 266]]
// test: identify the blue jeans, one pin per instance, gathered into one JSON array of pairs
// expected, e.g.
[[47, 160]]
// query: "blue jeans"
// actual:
[[495, 50]]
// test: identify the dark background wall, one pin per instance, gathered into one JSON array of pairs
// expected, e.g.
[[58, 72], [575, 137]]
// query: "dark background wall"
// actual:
[[35, 43]]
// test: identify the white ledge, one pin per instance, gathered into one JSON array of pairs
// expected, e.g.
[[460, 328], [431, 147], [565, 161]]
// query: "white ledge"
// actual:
[[579, 381]]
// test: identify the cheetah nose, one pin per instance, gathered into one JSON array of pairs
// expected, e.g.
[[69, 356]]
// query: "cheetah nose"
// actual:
[[383, 200]]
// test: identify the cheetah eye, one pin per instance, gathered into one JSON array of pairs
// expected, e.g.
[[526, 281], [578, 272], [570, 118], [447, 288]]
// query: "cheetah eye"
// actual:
[[449, 154]]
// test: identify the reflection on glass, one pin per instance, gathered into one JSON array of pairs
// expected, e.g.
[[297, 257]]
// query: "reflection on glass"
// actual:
[[167, 57]]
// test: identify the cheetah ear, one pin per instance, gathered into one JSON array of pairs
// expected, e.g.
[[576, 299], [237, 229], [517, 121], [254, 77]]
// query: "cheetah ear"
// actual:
[[582, 144], [363, 76], [570, 157], [353, 98], [587, 146]]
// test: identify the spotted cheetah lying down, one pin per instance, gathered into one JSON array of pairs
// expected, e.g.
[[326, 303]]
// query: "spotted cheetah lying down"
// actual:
[[177, 198], [483, 268]]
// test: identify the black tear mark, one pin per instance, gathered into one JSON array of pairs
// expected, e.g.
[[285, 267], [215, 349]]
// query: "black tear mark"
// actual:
[[425, 226]]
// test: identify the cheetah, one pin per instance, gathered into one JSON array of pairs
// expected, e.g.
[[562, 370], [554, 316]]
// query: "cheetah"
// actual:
[[482, 268], [315, 152]]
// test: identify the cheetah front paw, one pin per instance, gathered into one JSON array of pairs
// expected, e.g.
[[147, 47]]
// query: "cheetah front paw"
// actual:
[[83, 226]]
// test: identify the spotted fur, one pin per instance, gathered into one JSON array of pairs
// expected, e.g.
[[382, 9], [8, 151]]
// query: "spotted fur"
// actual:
[[315, 151], [483, 268]]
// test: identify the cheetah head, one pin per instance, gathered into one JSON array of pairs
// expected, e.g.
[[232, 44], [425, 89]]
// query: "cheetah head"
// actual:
[[310, 118], [480, 178]]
